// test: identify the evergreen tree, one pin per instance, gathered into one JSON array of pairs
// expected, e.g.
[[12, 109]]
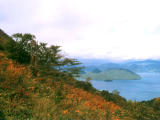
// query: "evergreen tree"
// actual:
[[24, 49]]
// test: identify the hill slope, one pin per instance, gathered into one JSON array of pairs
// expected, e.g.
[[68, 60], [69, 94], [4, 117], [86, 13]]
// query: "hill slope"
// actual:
[[4, 38], [23, 96], [51, 95]]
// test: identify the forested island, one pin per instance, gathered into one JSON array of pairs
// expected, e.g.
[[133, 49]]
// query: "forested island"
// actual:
[[112, 74]]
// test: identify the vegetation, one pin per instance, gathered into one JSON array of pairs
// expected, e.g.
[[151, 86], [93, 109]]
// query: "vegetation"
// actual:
[[96, 70], [4, 38], [24, 49], [31, 89], [49, 96], [112, 74]]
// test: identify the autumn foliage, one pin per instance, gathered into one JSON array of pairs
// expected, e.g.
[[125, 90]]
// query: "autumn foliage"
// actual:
[[43, 98]]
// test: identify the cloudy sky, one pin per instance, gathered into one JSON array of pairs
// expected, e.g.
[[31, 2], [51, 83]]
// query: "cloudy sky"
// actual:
[[112, 29]]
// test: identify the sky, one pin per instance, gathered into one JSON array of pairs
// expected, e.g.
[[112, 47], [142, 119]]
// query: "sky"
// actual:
[[100, 29]]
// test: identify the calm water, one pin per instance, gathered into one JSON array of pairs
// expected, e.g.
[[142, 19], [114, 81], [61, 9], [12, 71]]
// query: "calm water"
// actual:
[[145, 89]]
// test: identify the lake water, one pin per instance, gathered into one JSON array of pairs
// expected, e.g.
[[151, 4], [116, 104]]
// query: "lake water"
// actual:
[[145, 89]]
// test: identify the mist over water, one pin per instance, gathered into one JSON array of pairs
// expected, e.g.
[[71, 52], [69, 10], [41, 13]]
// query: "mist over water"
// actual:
[[145, 89]]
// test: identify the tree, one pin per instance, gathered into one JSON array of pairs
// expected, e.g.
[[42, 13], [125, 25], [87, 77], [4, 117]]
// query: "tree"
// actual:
[[49, 56], [115, 92], [18, 48], [88, 79], [24, 49]]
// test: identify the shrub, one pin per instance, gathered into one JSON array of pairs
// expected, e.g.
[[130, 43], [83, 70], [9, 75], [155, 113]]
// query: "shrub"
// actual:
[[85, 86], [114, 98], [2, 116], [58, 95], [1, 47], [108, 115], [2, 78]]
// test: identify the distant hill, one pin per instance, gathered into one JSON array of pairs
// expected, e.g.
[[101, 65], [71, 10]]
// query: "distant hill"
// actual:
[[143, 66], [96, 70], [112, 74], [138, 66]]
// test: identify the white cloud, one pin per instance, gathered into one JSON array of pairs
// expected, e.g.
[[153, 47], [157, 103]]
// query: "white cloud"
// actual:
[[115, 29]]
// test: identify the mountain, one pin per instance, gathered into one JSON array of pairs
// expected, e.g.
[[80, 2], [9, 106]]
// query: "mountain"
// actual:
[[138, 66], [143, 66], [112, 74]]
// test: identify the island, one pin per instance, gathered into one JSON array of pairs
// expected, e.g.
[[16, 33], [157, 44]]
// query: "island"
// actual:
[[112, 74]]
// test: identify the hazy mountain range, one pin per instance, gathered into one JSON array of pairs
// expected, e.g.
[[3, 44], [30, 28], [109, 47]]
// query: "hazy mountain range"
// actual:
[[141, 66]]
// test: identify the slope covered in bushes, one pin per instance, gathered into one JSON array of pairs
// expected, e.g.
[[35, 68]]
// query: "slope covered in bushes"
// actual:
[[47, 97], [44, 88]]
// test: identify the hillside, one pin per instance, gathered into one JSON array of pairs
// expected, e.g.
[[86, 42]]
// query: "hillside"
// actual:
[[23, 96], [112, 74], [30, 91], [4, 38]]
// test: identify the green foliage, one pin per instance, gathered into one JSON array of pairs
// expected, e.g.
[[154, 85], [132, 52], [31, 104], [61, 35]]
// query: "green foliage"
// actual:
[[71, 67], [18, 49], [25, 50], [114, 98], [155, 103], [145, 110], [85, 86], [58, 95], [4, 38], [2, 116], [2, 78], [141, 111], [48, 56], [1, 47]]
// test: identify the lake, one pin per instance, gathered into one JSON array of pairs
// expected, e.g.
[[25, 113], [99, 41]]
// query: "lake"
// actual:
[[145, 89]]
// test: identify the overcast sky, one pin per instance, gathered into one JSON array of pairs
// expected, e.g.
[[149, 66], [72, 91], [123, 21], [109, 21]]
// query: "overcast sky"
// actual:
[[112, 29]]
